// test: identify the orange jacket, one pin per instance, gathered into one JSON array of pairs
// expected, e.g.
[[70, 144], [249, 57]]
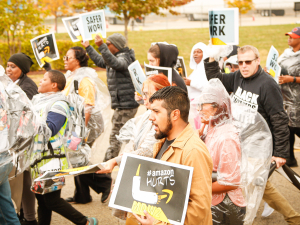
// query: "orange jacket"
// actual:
[[188, 149]]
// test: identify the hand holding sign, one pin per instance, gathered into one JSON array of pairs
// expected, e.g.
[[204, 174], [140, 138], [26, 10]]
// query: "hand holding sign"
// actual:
[[98, 40], [285, 79], [145, 220], [85, 43]]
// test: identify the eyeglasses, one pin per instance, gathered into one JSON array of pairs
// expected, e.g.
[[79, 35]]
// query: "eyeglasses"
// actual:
[[108, 43], [145, 95], [66, 58], [247, 62]]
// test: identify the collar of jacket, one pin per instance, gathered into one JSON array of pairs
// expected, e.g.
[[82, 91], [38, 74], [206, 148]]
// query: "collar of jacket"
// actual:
[[126, 49], [21, 78], [259, 71], [179, 142]]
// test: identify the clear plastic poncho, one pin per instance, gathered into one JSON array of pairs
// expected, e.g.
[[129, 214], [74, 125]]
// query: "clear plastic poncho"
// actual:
[[18, 125], [138, 133], [290, 65], [241, 147], [101, 111]]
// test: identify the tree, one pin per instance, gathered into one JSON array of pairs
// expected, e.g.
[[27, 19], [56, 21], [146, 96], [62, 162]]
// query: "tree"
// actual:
[[19, 20], [243, 5], [131, 8], [58, 8]]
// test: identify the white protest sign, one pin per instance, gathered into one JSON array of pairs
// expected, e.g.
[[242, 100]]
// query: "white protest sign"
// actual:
[[137, 76], [272, 66], [224, 26], [45, 48], [72, 28], [92, 23], [151, 70]]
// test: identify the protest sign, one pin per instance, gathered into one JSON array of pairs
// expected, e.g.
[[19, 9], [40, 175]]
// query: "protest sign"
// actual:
[[272, 66], [54, 180], [180, 67], [71, 24], [162, 188], [92, 23], [150, 70], [224, 26], [45, 48], [137, 76]]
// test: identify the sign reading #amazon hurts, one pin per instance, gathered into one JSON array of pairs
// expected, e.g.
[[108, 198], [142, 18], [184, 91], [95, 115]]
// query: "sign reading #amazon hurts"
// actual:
[[161, 188], [224, 26]]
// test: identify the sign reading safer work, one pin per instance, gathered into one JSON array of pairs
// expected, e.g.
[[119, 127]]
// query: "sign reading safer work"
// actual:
[[224, 26]]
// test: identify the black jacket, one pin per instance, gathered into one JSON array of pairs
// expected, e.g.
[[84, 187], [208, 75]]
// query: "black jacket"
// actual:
[[259, 92], [168, 58], [28, 86], [119, 82]]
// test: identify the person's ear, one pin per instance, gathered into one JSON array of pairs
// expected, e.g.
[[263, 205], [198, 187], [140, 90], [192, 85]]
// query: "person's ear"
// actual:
[[54, 86], [175, 115]]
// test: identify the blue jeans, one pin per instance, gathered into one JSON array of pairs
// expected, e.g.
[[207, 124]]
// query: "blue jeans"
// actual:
[[8, 214]]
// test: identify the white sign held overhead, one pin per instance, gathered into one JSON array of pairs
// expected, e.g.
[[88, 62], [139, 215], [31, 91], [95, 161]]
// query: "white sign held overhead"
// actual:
[[272, 66], [137, 76], [224, 26], [92, 23]]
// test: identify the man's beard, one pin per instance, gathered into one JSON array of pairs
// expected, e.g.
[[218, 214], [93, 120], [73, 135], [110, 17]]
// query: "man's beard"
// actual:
[[164, 133]]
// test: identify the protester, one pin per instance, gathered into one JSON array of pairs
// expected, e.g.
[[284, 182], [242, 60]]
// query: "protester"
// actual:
[[165, 55], [253, 87], [8, 214], [116, 57], [231, 65], [290, 87], [76, 62], [197, 80], [223, 144], [180, 144], [138, 132], [223, 59], [52, 106], [18, 65]]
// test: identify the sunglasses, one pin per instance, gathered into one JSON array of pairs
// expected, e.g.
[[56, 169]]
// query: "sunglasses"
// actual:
[[247, 62], [66, 58], [108, 43]]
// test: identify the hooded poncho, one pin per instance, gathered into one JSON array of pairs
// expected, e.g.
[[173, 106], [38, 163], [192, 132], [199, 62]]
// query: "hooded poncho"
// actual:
[[198, 76]]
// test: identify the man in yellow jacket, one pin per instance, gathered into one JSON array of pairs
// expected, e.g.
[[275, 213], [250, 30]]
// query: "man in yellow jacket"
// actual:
[[180, 144]]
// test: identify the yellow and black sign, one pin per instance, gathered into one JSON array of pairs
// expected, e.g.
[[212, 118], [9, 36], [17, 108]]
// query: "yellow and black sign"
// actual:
[[159, 187]]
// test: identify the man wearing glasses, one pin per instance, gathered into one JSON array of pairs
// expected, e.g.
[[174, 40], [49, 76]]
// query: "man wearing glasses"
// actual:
[[252, 86]]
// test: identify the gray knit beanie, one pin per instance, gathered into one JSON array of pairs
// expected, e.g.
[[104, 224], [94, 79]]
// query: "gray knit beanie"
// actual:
[[118, 40]]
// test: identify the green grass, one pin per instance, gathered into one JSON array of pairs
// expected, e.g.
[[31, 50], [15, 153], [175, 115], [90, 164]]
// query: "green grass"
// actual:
[[261, 37]]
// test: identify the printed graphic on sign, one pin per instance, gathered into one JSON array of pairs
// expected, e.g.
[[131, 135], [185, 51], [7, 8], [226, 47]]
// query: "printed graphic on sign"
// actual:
[[93, 23], [71, 24], [150, 70], [137, 76], [272, 66], [224, 26], [159, 187], [180, 67], [45, 48]]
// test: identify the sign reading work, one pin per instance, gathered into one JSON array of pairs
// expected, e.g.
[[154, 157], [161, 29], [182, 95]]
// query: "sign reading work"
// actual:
[[137, 76], [272, 66], [224, 26], [160, 187], [91, 24]]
